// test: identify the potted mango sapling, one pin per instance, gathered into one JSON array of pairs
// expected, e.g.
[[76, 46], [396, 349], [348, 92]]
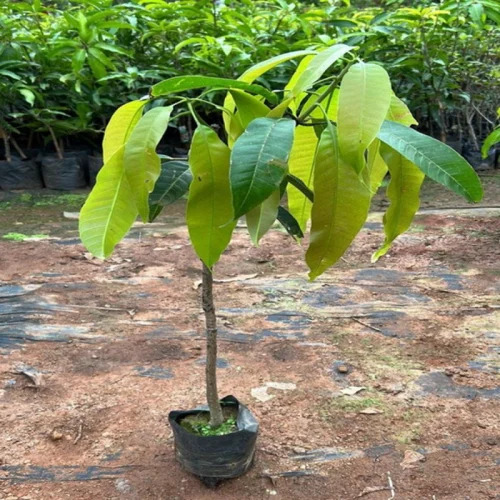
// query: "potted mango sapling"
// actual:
[[319, 153]]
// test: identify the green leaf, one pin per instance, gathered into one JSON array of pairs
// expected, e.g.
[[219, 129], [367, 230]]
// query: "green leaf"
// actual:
[[490, 141], [259, 162], [301, 165], [288, 221], [109, 211], [28, 95], [142, 163], [98, 69], [249, 107], [437, 160], [376, 166], [403, 193], [294, 101], [262, 217], [399, 112], [120, 126], [364, 99], [102, 58], [317, 66], [191, 82], [341, 203], [173, 183], [209, 207], [78, 59], [251, 74]]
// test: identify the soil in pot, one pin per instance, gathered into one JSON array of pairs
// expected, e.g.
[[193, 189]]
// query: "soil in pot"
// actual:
[[63, 174], [20, 174], [214, 458]]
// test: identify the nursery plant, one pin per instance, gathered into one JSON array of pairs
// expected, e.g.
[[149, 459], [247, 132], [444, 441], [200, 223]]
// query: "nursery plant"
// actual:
[[310, 155]]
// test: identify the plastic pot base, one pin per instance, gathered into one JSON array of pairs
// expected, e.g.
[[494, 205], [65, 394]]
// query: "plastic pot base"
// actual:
[[216, 458]]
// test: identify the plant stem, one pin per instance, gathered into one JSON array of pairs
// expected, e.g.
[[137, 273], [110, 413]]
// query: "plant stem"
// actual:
[[329, 90], [207, 300], [55, 141], [6, 145]]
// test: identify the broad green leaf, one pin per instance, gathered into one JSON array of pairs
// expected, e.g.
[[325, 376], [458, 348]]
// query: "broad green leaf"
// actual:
[[490, 141], [109, 211], [120, 127], [399, 112], [262, 67], [191, 82], [251, 74], [317, 66], [437, 160], [262, 217], [98, 69], [341, 203], [142, 163], [28, 95], [249, 107], [294, 101], [172, 184], [376, 166], [259, 162], [288, 221], [364, 99], [403, 194], [209, 207], [301, 166]]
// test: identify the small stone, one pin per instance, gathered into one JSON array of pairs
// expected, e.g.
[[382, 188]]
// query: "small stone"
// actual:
[[411, 459], [299, 450], [55, 435], [342, 369], [491, 441]]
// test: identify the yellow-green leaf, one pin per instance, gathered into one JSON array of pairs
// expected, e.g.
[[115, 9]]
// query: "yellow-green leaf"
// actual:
[[252, 73], [120, 127], [249, 107], [262, 217], [209, 208], [340, 208], [403, 193], [301, 165], [376, 166], [109, 211], [399, 112], [142, 164], [364, 99]]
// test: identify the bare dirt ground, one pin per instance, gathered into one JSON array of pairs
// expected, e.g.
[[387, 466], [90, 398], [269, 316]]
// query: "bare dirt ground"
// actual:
[[390, 367]]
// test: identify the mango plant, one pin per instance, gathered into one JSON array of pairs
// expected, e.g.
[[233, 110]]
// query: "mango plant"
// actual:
[[315, 151]]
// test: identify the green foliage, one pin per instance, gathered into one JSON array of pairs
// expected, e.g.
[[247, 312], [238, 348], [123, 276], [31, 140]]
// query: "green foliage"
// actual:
[[24, 237], [68, 64], [330, 181], [201, 427]]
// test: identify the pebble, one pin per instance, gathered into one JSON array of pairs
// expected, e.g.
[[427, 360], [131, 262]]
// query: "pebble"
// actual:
[[56, 435], [342, 369]]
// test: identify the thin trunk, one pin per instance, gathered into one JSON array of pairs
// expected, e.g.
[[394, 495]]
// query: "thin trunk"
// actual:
[[56, 143], [6, 144], [207, 299], [18, 148]]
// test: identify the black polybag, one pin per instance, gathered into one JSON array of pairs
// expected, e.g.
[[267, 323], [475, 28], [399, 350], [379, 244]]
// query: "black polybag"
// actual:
[[20, 174], [214, 458], [63, 174], [95, 164]]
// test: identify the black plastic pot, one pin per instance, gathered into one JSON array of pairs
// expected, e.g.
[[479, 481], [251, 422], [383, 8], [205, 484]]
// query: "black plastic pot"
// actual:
[[215, 458], [64, 175], [95, 164], [20, 174]]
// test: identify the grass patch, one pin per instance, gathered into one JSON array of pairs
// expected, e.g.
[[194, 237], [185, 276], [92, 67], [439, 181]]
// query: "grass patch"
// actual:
[[199, 424], [24, 237]]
